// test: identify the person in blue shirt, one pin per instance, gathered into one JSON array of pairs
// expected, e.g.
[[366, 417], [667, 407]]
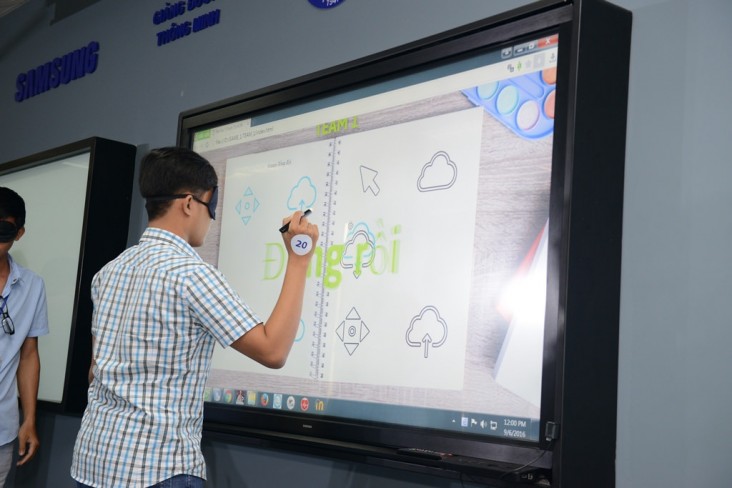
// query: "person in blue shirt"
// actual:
[[24, 317]]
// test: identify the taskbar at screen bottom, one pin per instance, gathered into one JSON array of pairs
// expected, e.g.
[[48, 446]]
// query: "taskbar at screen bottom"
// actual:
[[506, 427]]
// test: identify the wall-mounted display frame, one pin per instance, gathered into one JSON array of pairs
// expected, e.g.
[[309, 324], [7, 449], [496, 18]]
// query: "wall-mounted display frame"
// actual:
[[77, 200]]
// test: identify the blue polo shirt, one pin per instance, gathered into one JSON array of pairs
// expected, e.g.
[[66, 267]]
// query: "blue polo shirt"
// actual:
[[24, 296]]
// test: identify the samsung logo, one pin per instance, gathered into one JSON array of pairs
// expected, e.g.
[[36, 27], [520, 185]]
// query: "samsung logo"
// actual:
[[59, 71]]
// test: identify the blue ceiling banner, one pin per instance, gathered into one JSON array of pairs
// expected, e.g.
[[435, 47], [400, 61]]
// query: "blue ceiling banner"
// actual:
[[325, 3]]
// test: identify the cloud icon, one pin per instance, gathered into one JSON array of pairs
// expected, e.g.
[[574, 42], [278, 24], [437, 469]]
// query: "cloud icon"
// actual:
[[302, 195], [427, 329], [359, 251], [439, 174]]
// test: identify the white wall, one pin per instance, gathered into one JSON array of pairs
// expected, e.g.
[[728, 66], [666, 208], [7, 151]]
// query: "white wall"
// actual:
[[675, 377]]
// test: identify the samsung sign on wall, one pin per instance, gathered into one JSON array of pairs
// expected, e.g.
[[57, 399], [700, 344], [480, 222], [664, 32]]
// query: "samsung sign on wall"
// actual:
[[80, 62], [59, 71]]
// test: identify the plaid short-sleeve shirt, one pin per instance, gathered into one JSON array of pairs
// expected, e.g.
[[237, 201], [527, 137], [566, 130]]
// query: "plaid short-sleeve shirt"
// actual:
[[159, 309]]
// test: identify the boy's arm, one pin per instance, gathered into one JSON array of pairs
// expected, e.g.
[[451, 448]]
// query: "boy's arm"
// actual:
[[270, 343], [29, 370]]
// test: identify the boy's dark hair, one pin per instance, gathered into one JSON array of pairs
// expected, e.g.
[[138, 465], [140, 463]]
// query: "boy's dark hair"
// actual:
[[173, 170], [12, 205]]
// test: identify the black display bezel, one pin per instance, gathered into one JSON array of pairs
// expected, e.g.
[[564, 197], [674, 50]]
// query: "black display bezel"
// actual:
[[592, 336]]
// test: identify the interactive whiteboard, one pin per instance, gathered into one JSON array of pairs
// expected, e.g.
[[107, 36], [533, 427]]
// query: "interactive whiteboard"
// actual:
[[55, 198], [76, 196], [425, 299]]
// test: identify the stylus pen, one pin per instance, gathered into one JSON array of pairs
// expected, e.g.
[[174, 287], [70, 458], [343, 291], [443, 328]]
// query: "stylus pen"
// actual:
[[285, 227]]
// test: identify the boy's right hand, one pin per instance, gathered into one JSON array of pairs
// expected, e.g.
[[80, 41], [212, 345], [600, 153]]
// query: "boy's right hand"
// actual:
[[299, 225]]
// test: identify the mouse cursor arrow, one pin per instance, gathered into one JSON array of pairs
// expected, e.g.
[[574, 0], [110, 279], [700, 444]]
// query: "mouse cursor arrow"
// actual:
[[368, 180]]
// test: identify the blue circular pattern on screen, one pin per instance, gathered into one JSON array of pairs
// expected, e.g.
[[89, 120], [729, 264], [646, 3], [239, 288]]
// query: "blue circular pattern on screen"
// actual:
[[325, 3]]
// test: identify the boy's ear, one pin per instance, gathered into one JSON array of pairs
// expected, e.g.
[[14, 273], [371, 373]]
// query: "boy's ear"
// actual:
[[186, 205], [21, 231]]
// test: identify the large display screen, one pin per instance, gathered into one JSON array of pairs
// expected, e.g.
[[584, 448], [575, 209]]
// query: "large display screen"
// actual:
[[68, 237], [42, 187], [426, 299], [462, 305]]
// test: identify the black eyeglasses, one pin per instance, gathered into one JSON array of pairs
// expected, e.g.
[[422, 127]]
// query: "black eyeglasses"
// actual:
[[210, 205], [8, 325], [7, 322]]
